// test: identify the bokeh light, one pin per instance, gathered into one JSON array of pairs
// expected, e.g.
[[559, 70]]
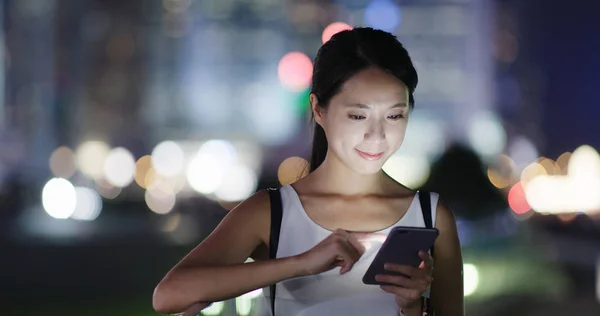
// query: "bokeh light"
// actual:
[[244, 302], [238, 183], [517, 200], [143, 171], [59, 198], [532, 171], [214, 309], [90, 158], [487, 135], [333, 29], [62, 162], [207, 169], [549, 166], [88, 204], [523, 152], [159, 201], [471, 278], [584, 179], [384, 15], [172, 223], [424, 137], [575, 192], [273, 119], [502, 173], [119, 167], [548, 194], [562, 162], [291, 170], [168, 158], [411, 171], [295, 71], [106, 190]]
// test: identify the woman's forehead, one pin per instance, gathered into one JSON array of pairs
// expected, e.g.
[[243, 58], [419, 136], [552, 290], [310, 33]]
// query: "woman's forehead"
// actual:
[[373, 87]]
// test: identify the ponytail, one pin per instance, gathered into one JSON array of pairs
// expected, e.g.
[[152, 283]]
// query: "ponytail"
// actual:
[[319, 147]]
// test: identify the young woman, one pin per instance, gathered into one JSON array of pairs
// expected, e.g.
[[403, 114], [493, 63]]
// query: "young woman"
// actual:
[[362, 93]]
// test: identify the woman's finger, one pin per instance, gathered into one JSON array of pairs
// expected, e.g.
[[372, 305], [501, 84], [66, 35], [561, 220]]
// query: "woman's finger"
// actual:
[[396, 280], [426, 258], [404, 269]]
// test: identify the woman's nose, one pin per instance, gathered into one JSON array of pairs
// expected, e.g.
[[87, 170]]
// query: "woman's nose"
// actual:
[[375, 133]]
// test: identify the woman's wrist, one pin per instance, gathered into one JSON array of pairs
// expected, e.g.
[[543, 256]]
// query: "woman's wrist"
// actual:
[[413, 310]]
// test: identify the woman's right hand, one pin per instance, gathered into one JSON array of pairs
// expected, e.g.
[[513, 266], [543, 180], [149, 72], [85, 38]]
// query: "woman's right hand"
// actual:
[[341, 248]]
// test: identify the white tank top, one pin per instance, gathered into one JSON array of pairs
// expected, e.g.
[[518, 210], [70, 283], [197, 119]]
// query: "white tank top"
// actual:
[[330, 293]]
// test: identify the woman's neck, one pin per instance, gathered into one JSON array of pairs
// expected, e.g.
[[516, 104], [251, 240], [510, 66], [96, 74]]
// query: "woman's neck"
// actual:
[[333, 177]]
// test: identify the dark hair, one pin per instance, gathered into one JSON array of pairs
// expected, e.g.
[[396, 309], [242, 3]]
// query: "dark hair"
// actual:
[[347, 53]]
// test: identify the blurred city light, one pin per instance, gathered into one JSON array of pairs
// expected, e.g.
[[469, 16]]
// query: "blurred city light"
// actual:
[[295, 71], [144, 173], [106, 190], [238, 183], [562, 162], [88, 204], [502, 172], [424, 137], [575, 192], [517, 200], [272, 120], [523, 152], [411, 171], [214, 309], [532, 171], [119, 167], [486, 135], [159, 201], [471, 278], [292, 169], [243, 303], [333, 29], [59, 198], [207, 169], [168, 158], [62, 162], [383, 14], [90, 157]]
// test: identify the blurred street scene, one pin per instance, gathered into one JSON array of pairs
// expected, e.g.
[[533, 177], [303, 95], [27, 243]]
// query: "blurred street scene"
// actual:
[[128, 129]]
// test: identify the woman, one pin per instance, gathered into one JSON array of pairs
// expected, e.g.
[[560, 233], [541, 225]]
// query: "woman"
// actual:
[[362, 93]]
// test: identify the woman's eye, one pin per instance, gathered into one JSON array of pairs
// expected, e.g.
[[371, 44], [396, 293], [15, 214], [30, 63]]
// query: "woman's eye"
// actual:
[[396, 116], [356, 117]]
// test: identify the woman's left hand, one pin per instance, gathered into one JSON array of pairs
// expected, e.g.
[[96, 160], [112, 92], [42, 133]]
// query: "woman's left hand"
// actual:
[[408, 290]]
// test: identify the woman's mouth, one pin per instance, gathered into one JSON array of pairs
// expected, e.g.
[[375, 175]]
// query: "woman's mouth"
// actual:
[[369, 156]]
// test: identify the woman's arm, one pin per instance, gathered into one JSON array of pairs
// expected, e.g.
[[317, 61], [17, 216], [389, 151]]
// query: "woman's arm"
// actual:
[[447, 295], [215, 269]]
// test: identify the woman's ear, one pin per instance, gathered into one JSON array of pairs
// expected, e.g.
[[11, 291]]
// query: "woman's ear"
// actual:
[[317, 110]]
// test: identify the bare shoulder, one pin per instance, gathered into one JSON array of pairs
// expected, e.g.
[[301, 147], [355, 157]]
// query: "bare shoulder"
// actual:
[[253, 213], [444, 218], [447, 289], [242, 232], [447, 245]]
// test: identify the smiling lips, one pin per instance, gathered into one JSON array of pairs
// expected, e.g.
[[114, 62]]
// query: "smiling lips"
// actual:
[[369, 156]]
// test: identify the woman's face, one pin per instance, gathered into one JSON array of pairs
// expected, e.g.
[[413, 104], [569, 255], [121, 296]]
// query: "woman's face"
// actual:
[[366, 121]]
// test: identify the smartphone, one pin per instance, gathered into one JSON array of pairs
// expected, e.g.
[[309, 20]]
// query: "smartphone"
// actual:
[[401, 246]]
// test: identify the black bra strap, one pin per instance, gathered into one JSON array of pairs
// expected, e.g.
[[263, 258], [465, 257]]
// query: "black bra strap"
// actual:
[[425, 200], [276, 216]]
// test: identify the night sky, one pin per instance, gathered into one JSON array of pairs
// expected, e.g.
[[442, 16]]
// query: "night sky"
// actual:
[[564, 38]]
